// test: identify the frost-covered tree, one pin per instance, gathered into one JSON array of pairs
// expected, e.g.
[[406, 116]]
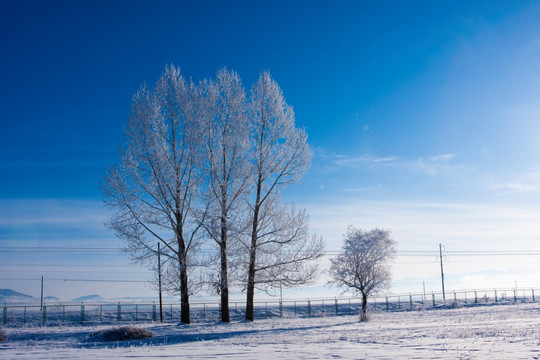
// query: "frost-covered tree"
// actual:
[[226, 137], [197, 161], [155, 185], [277, 242], [363, 265], [285, 250]]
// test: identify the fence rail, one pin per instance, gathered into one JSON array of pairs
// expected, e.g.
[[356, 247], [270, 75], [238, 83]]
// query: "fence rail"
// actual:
[[106, 313]]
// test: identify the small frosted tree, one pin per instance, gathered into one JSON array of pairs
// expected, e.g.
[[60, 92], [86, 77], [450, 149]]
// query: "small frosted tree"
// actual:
[[363, 265]]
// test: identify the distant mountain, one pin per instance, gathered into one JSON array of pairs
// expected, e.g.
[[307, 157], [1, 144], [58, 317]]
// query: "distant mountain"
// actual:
[[93, 297], [51, 298], [10, 296], [148, 299], [9, 292]]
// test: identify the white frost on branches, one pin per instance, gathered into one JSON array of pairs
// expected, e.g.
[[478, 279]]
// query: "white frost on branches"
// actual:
[[362, 266], [205, 163]]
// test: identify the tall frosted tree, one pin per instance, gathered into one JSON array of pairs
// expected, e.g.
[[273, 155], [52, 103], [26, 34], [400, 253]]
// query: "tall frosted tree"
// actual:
[[155, 185], [277, 240], [197, 161], [226, 136]]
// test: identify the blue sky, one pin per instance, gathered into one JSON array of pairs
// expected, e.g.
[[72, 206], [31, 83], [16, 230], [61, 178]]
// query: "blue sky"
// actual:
[[423, 116]]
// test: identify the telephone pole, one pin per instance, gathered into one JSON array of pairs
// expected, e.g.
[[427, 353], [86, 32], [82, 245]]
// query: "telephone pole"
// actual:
[[159, 277], [41, 308], [442, 274]]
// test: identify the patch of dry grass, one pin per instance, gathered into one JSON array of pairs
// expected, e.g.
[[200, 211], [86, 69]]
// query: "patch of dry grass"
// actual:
[[124, 333], [3, 335]]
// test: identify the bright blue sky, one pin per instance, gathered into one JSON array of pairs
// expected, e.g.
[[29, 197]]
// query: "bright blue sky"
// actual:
[[423, 116]]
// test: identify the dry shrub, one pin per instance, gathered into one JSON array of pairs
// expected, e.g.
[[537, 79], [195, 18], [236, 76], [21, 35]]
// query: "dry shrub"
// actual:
[[125, 333], [3, 335]]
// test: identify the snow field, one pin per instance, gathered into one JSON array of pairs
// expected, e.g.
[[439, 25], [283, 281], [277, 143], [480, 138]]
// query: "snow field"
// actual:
[[494, 332]]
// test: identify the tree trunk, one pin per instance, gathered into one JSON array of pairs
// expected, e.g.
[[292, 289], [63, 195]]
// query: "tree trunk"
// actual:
[[224, 287], [253, 255], [251, 285], [184, 295], [363, 315], [182, 258]]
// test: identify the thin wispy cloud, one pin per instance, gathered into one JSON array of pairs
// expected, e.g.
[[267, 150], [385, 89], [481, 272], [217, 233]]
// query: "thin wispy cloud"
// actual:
[[435, 165], [442, 164], [357, 189], [53, 212], [345, 161], [527, 183]]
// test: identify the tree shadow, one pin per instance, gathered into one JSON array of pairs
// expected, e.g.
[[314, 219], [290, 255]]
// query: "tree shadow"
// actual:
[[212, 335]]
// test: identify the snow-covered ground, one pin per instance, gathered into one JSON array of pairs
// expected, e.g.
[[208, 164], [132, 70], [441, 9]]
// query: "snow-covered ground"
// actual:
[[494, 332]]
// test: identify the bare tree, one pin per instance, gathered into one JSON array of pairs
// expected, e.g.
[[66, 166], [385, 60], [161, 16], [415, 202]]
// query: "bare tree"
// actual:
[[363, 264], [226, 136], [154, 187], [280, 156], [285, 249]]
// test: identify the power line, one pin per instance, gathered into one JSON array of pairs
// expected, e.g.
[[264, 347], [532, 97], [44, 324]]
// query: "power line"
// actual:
[[83, 280], [85, 250], [73, 265], [40, 271], [57, 249]]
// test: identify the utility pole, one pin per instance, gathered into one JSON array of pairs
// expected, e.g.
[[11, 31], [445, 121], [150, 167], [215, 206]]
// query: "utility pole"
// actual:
[[159, 277], [442, 274], [41, 308]]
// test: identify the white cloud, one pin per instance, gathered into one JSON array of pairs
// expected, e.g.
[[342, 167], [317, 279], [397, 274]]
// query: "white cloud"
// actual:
[[423, 225], [527, 183], [435, 165], [354, 162]]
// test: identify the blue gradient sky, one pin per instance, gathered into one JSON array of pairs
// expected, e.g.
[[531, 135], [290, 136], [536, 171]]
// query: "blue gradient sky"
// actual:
[[424, 117]]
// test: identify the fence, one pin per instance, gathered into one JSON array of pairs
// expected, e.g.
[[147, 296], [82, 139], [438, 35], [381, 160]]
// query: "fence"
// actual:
[[106, 313]]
